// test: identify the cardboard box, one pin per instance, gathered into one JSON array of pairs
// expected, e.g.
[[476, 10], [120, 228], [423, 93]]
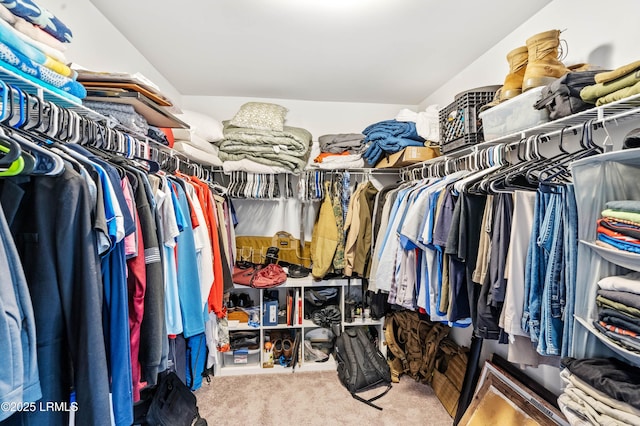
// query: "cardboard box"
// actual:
[[409, 155]]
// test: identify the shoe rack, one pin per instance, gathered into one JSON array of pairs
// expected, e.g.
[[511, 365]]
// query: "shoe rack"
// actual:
[[279, 334]]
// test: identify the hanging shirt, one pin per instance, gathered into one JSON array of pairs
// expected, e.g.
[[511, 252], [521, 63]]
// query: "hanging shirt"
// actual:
[[188, 277], [203, 249], [65, 288], [19, 378], [173, 223]]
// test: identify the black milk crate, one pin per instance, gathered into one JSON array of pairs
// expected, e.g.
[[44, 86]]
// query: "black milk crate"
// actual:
[[459, 122]]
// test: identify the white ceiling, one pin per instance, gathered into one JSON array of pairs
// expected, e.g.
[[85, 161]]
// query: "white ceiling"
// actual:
[[377, 51]]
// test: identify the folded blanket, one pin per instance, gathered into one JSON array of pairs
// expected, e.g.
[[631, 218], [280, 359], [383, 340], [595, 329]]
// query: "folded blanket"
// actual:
[[383, 129], [251, 167], [197, 154], [607, 76], [124, 114], [618, 95], [6, 15], [18, 42], [34, 35], [351, 142], [427, 122], [38, 34], [285, 161], [288, 148], [37, 71], [39, 16], [321, 157], [340, 163], [389, 136], [590, 94], [295, 138]]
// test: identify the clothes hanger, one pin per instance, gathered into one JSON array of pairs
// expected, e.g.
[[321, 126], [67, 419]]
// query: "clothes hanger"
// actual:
[[46, 162], [561, 168], [563, 174], [518, 179], [485, 166], [495, 182], [11, 150], [15, 167]]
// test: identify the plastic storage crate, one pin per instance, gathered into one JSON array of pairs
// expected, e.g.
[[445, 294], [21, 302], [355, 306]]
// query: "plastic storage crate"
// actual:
[[514, 115], [459, 123]]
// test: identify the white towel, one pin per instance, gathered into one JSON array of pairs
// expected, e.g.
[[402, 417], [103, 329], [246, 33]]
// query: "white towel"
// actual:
[[427, 122]]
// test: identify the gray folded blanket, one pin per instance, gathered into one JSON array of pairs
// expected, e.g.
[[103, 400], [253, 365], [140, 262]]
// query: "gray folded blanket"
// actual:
[[336, 144]]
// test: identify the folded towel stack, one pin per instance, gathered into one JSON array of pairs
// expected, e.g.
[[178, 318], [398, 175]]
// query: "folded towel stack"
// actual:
[[32, 45]]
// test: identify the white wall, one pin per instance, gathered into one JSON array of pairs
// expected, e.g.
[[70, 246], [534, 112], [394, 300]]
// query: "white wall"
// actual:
[[596, 32], [317, 117], [99, 46]]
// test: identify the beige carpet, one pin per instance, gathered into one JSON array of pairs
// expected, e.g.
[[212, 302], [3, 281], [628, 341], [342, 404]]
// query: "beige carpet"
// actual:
[[314, 398]]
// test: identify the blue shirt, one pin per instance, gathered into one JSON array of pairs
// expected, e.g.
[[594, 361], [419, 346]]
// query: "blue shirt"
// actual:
[[187, 264]]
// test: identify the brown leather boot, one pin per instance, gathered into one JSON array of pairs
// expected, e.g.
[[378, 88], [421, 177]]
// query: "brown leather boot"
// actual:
[[543, 64], [512, 86]]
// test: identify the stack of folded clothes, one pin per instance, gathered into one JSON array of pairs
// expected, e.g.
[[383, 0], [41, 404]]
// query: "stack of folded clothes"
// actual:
[[163, 136], [613, 85], [197, 142], [618, 301], [600, 391], [32, 45], [389, 137], [339, 151], [123, 114], [257, 141], [619, 227]]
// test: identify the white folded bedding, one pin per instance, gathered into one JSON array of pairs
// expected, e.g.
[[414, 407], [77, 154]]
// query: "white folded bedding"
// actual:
[[209, 158], [249, 166]]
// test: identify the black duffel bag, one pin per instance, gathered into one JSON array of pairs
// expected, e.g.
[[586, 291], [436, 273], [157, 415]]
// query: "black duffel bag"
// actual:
[[561, 98]]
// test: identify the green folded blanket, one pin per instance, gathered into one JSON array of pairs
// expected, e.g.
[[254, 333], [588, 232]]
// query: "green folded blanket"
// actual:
[[590, 94]]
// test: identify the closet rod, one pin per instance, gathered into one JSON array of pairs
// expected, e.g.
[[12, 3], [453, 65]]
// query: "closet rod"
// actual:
[[360, 171]]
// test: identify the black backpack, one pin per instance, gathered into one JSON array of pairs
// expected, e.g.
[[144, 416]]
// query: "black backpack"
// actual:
[[170, 403], [361, 365]]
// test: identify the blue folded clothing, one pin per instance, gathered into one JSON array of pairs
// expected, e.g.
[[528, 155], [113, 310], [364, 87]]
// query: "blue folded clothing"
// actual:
[[619, 244], [389, 136], [39, 72], [32, 12], [383, 129]]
